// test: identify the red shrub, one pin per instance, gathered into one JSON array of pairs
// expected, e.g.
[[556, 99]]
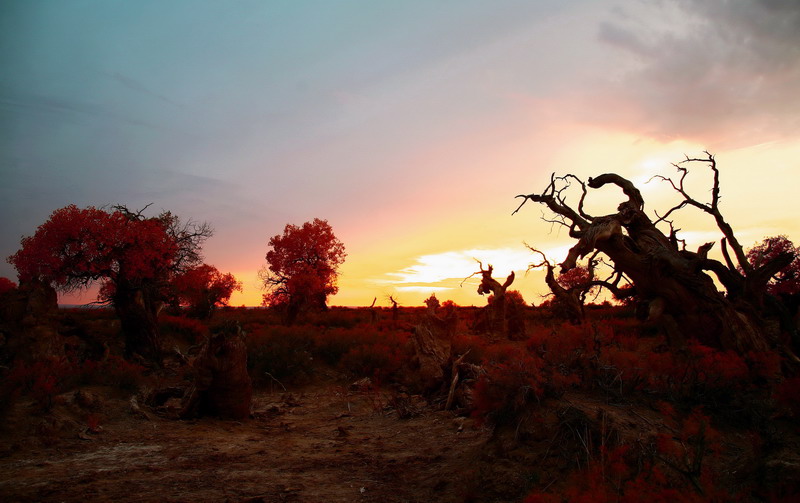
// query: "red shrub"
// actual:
[[113, 371], [279, 352], [563, 346], [476, 345], [619, 475], [188, 329], [508, 386], [43, 379], [378, 361], [331, 345]]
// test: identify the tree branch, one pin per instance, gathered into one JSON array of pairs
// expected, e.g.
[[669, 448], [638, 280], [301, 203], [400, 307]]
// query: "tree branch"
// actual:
[[628, 188]]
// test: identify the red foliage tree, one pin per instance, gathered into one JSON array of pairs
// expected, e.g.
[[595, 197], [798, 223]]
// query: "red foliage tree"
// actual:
[[204, 288], [6, 285], [787, 280], [302, 268], [134, 256]]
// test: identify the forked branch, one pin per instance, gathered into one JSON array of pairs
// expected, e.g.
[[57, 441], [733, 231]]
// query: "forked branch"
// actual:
[[712, 208]]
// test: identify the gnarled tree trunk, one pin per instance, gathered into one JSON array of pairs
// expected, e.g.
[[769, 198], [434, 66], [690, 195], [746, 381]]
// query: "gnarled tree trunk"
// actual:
[[682, 297], [137, 310], [222, 386], [498, 320], [568, 301]]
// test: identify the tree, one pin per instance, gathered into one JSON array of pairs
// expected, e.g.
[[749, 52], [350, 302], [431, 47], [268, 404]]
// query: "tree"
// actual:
[[6, 285], [673, 281], [566, 289], [498, 322], [787, 280], [133, 256], [302, 268], [203, 288], [570, 288]]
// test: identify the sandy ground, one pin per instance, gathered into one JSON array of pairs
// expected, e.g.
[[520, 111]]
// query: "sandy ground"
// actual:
[[321, 444]]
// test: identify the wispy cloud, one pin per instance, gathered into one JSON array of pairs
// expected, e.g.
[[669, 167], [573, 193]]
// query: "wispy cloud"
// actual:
[[448, 269], [423, 288], [137, 86], [22, 102]]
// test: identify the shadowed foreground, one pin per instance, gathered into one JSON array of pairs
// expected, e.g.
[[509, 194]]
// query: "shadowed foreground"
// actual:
[[328, 444]]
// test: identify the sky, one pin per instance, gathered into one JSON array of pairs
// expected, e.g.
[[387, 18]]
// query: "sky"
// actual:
[[409, 126]]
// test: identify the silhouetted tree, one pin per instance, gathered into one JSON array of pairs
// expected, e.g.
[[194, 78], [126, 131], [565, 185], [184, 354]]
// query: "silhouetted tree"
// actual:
[[395, 309], [567, 301], [204, 288], [302, 268], [672, 280], [373, 313], [432, 303], [134, 256], [570, 288], [496, 308]]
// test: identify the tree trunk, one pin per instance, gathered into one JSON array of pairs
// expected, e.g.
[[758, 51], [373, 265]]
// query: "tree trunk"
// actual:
[[498, 323], [565, 303], [682, 298], [138, 315], [222, 386]]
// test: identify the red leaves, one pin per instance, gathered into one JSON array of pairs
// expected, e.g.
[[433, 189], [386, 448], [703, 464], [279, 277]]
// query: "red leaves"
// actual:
[[303, 264], [514, 378], [575, 277], [204, 287], [6, 285], [787, 280], [77, 246]]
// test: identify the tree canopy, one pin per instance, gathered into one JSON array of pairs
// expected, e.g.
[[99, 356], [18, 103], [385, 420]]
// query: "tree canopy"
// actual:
[[302, 267], [204, 288], [135, 257]]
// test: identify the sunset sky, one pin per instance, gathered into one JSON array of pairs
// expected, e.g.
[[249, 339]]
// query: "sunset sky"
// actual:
[[410, 126]]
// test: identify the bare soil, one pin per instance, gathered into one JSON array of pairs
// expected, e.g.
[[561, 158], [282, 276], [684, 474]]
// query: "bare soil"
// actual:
[[324, 443]]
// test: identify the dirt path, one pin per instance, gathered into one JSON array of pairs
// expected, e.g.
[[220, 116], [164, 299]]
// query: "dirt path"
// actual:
[[322, 445]]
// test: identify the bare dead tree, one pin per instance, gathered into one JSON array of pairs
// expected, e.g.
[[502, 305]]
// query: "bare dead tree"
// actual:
[[395, 309], [373, 313], [569, 299], [498, 323], [673, 281]]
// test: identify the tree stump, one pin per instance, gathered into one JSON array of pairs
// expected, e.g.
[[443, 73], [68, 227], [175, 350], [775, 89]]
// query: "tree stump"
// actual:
[[222, 386], [28, 317], [432, 347]]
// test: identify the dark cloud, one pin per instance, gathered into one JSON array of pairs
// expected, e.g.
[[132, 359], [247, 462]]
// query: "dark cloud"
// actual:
[[718, 71]]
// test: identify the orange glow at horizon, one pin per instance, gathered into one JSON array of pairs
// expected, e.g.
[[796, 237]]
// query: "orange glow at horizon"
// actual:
[[410, 251]]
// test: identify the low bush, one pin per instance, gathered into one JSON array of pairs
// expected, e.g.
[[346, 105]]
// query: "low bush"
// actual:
[[44, 379], [378, 361], [182, 328], [674, 470], [280, 352]]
